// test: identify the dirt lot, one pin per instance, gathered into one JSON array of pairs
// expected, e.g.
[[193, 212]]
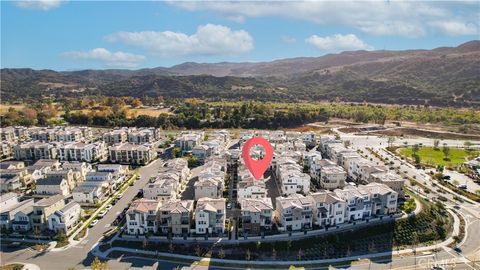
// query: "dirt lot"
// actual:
[[426, 133]]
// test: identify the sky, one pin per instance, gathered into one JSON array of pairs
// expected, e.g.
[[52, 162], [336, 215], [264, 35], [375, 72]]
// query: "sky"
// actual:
[[74, 35]]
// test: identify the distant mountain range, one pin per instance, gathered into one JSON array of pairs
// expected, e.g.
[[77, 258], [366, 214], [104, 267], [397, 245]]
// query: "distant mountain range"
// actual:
[[442, 77]]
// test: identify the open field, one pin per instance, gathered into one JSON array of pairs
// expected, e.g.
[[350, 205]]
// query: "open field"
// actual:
[[150, 111], [436, 157], [426, 133], [4, 107]]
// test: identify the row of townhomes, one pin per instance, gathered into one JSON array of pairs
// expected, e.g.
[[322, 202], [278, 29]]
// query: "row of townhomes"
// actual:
[[48, 174], [132, 135], [54, 213], [135, 146], [169, 182], [357, 168], [330, 208]]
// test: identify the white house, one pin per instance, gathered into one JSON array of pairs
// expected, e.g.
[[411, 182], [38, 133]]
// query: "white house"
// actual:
[[142, 216], [329, 209], [50, 186], [210, 216], [294, 213], [65, 219]]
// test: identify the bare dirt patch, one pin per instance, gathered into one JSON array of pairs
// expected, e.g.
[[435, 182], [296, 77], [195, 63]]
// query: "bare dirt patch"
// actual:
[[426, 133]]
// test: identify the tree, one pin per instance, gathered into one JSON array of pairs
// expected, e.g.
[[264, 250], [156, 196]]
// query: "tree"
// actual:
[[221, 253], [198, 251], [99, 265], [415, 149], [435, 144], [248, 255], [176, 152], [468, 145], [300, 254], [391, 140], [446, 152], [274, 254], [136, 103]]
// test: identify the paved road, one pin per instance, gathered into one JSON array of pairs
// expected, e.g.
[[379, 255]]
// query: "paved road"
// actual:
[[79, 256]]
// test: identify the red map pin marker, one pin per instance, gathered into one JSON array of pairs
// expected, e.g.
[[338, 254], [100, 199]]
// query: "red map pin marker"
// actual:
[[257, 167]]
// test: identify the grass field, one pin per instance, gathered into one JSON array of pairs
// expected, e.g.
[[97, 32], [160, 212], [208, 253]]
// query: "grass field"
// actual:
[[430, 156], [147, 111], [4, 108]]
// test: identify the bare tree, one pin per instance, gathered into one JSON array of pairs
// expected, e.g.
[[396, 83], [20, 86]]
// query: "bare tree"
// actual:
[[221, 253], [248, 255]]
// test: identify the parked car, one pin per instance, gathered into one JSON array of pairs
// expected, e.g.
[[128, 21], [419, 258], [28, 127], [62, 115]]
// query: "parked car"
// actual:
[[462, 186], [94, 222], [229, 206], [102, 213], [119, 196], [108, 207]]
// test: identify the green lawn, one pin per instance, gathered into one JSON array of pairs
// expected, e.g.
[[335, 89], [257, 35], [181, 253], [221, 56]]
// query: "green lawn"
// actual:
[[430, 156]]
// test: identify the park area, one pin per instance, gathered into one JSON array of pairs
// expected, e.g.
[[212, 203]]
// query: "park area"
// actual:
[[435, 157]]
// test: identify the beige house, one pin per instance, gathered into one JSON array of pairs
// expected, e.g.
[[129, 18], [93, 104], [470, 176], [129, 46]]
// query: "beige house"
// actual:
[[175, 217], [43, 209]]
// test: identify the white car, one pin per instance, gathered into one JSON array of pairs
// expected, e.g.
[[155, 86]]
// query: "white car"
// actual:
[[94, 222], [229, 206], [102, 213], [119, 196], [108, 207]]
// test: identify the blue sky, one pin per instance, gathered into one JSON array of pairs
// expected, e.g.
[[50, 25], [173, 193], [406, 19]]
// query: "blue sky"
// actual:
[[76, 35]]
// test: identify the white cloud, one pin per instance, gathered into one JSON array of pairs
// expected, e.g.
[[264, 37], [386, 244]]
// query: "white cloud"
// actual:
[[456, 28], [338, 42], [401, 18], [288, 39], [209, 39], [39, 4], [110, 59]]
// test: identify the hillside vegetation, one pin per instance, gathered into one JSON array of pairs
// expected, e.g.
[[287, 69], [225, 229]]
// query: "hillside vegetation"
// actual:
[[439, 77]]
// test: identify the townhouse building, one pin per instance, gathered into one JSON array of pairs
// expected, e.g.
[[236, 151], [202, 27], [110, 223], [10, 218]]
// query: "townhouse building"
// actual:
[[7, 149], [80, 151], [8, 211], [72, 178], [43, 209], [329, 209], [256, 215], [88, 193], [175, 217], [142, 216], [127, 153], [52, 186], [358, 203], [187, 141], [210, 216], [294, 213], [21, 216], [162, 189], [250, 188], [390, 179], [81, 168], [65, 219], [332, 177], [116, 136], [143, 135], [35, 150], [384, 199]]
